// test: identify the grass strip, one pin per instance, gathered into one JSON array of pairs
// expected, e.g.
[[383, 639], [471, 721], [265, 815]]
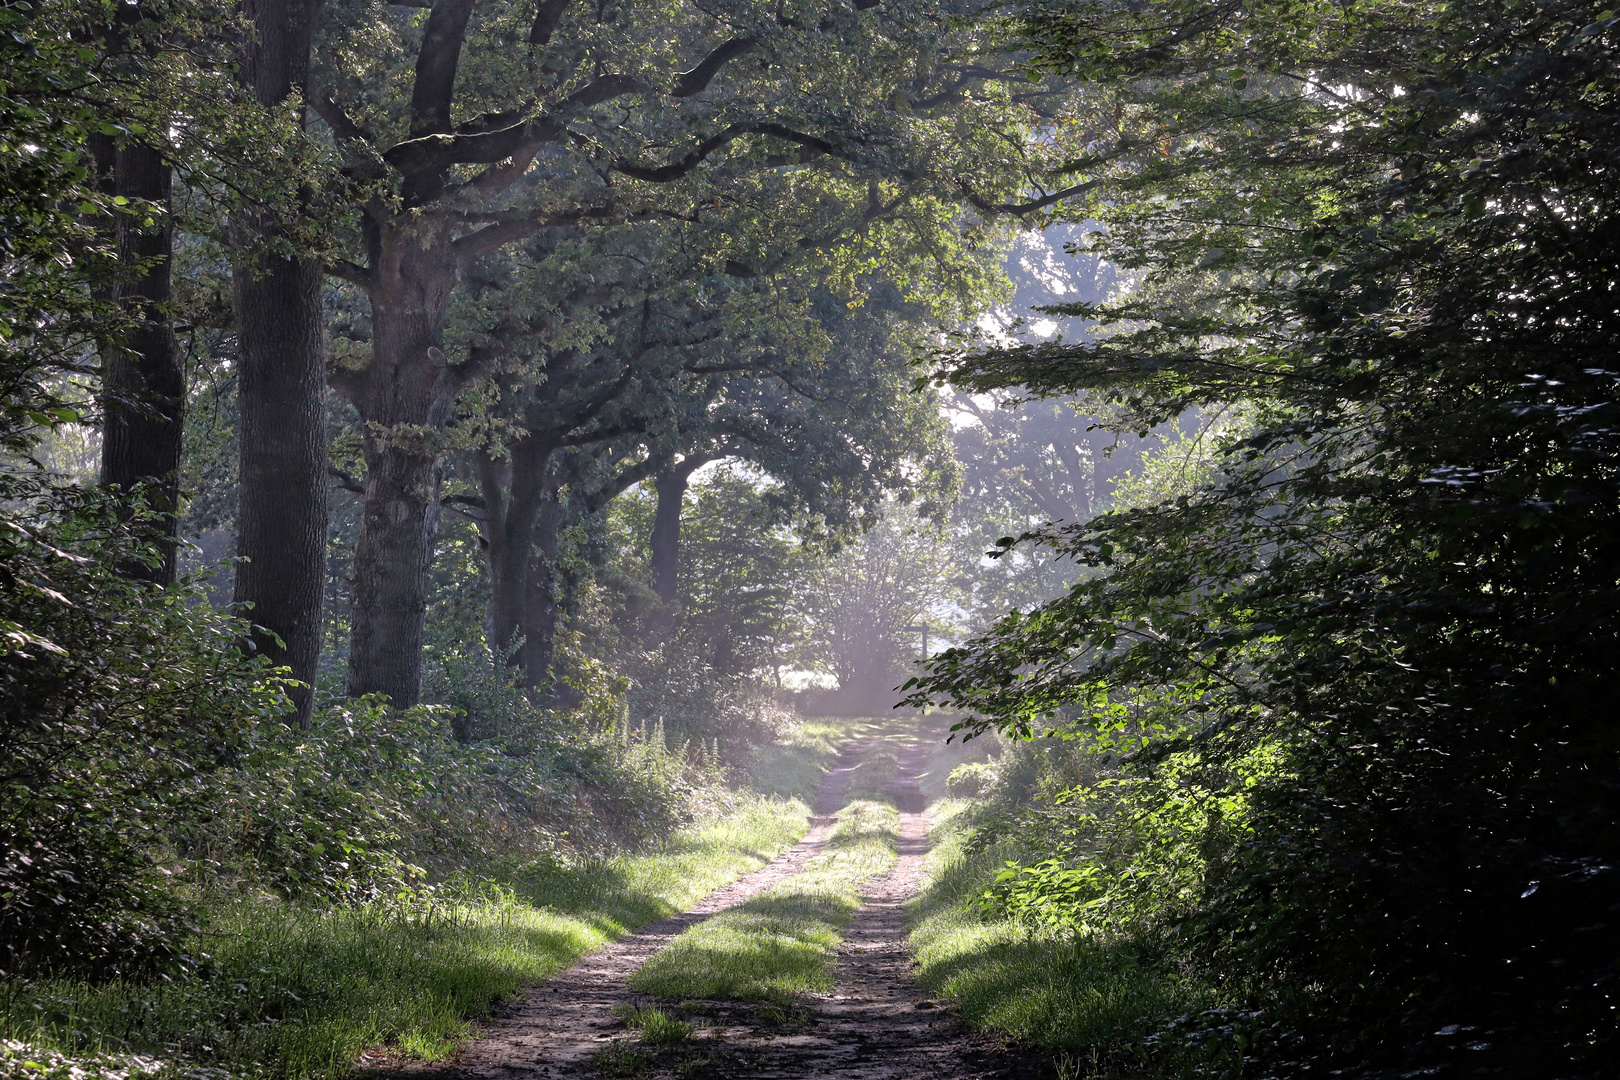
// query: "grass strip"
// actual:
[[782, 942], [293, 991], [1037, 987]]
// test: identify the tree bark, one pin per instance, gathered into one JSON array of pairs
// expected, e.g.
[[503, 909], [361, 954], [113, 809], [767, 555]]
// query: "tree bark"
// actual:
[[516, 493], [404, 397], [282, 493], [281, 516], [670, 483], [524, 511], [543, 594], [142, 380]]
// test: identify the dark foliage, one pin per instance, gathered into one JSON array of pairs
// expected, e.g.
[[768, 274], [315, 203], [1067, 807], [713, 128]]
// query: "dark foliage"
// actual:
[[117, 703], [1387, 631]]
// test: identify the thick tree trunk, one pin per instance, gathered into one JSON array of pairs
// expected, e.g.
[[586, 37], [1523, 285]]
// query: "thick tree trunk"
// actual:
[[543, 596], [666, 535], [404, 397], [522, 499], [281, 515], [282, 493], [143, 382], [398, 527]]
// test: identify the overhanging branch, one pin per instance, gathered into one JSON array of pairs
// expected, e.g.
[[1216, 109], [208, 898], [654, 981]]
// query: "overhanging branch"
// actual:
[[1031, 205], [440, 151], [688, 83], [663, 174]]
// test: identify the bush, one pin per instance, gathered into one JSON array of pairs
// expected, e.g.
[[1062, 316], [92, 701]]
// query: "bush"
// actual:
[[121, 704], [370, 799], [141, 752], [970, 779], [695, 701]]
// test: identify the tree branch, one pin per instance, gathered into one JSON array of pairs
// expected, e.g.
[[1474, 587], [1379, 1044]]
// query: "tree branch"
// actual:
[[1041, 203], [688, 83], [545, 21], [440, 150], [346, 481], [353, 273], [436, 65], [619, 484], [663, 174], [514, 225], [332, 113]]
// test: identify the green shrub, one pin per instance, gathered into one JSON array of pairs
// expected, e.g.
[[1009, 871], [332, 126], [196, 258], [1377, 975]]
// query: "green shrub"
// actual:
[[369, 799], [120, 707], [696, 701], [970, 779]]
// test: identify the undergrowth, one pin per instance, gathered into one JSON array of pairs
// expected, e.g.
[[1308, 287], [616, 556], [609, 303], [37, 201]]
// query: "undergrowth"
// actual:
[[793, 766], [1109, 1007]]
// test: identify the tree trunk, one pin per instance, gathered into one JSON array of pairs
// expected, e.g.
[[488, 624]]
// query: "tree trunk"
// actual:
[[281, 518], [143, 382], [404, 398], [543, 594], [670, 484], [525, 517], [282, 492], [515, 493]]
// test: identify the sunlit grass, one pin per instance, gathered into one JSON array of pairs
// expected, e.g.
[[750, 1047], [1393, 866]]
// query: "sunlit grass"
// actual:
[[292, 991], [793, 767], [782, 942], [1039, 988], [656, 1026]]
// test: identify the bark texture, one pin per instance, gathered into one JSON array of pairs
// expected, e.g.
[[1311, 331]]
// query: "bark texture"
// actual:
[[404, 396], [517, 491], [542, 607], [524, 517], [282, 500], [143, 381]]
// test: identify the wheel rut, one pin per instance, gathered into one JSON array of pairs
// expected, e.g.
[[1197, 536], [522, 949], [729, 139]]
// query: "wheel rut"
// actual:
[[874, 1026]]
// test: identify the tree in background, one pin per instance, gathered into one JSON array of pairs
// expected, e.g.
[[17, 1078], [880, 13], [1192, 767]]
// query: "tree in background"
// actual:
[[839, 432], [1027, 464], [868, 606], [1028, 461]]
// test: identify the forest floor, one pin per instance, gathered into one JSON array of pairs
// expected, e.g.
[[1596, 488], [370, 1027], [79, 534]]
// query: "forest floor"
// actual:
[[589, 1020]]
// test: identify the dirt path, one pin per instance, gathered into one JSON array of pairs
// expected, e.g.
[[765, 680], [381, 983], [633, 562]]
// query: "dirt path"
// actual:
[[873, 1027]]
